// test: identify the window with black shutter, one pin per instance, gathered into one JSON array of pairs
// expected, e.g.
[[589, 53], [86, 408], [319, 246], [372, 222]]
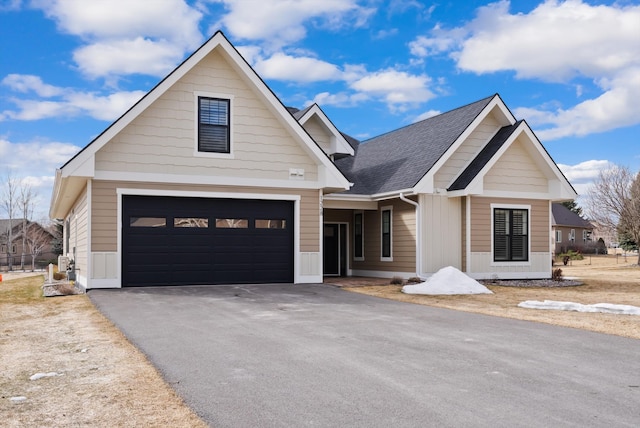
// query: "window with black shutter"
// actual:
[[510, 235], [386, 233], [213, 125], [358, 236]]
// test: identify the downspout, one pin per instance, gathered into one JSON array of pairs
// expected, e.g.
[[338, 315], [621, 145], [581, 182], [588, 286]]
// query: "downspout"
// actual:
[[418, 233]]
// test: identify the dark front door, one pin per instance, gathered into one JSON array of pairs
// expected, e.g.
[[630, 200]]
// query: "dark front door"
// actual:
[[188, 241], [335, 249]]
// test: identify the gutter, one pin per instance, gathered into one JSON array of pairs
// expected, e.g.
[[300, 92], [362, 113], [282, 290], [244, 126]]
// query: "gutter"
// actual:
[[418, 232]]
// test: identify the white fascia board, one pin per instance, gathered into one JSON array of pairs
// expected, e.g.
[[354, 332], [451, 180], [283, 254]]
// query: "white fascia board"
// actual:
[[142, 177], [343, 145], [359, 202], [425, 185]]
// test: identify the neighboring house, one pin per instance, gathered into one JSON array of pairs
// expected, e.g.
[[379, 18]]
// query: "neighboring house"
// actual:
[[37, 247], [210, 179], [569, 230]]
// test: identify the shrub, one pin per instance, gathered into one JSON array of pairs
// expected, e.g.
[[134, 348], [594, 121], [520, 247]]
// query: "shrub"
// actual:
[[396, 280], [414, 280], [59, 275], [556, 275]]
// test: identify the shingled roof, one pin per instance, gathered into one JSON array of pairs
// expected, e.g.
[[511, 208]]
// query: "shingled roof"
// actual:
[[563, 216], [399, 159]]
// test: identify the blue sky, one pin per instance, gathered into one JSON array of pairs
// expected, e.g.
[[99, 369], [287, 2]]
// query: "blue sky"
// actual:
[[68, 68]]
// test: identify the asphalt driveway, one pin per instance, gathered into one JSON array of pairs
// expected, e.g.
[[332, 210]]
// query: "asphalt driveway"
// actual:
[[315, 355]]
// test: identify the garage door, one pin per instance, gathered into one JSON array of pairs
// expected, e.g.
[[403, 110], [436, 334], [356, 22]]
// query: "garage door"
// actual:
[[188, 241]]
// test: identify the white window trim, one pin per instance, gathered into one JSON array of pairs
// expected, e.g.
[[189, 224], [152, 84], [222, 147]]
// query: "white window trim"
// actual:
[[196, 152], [558, 236], [572, 235], [584, 235], [361, 258], [390, 209], [512, 207]]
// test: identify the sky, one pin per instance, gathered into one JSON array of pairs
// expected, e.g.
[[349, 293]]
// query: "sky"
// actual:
[[571, 69]]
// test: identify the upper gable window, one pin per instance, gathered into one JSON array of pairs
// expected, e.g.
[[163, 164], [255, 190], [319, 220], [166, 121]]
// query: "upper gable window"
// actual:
[[214, 125]]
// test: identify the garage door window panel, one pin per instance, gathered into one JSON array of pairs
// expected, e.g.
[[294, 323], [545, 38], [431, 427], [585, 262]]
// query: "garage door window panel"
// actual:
[[270, 224], [191, 222], [232, 223], [147, 222]]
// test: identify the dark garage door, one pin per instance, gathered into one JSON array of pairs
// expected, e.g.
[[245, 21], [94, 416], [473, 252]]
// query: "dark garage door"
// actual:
[[189, 241]]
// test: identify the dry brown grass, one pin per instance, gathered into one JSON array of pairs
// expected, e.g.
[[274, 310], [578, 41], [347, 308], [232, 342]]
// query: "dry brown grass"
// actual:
[[104, 380], [607, 279]]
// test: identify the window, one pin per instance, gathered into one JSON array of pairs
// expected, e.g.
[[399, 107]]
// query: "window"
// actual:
[[510, 235], [270, 224], [3, 248], [232, 223], [196, 222], [585, 235], [358, 236], [147, 222], [386, 228], [558, 236], [572, 235], [213, 125]]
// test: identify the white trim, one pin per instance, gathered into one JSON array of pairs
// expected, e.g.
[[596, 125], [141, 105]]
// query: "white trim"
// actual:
[[381, 273], [382, 210], [342, 146], [418, 230], [468, 233], [297, 277], [229, 97], [89, 258], [558, 235], [511, 207], [143, 177]]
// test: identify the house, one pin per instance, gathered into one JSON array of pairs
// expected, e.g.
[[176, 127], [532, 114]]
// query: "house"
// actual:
[[36, 250], [210, 179], [570, 231]]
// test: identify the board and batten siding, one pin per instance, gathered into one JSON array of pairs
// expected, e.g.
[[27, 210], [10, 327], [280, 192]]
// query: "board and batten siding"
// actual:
[[516, 169], [440, 232], [105, 213], [467, 151], [403, 239], [539, 264], [162, 139]]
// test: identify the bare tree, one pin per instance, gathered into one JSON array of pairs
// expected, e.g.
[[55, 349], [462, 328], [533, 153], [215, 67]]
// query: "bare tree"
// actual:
[[25, 204], [614, 201], [37, 239], [8, 202]]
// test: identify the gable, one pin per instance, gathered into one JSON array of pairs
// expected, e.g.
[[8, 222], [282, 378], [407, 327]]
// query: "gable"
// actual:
[[516, 170], [163, 137], [320, 133], [165, 117]]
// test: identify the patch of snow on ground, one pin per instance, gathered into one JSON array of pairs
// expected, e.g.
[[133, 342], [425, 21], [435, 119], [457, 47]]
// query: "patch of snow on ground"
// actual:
[[607, 308], [447, 280], [41, 375]]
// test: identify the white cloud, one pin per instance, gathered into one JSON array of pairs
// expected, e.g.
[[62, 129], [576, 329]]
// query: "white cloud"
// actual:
[[124, 37], [582, 175], [396, 88], [64, 102], [283, 21], [340, 99], [281, 66], [557, 41], [426, 115], [27, 83], [34, 163]]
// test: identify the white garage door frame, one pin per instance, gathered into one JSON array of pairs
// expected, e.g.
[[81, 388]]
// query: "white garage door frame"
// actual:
[[297, 274]]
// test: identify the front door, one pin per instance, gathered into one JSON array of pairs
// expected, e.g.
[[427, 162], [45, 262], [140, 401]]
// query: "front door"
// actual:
[[335, 249]]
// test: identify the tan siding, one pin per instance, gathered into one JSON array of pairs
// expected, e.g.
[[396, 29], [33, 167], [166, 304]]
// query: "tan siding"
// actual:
[[104, 210], [466, 152], [161, 139], [516, 171], [481, 222], [403, 239], [79, 233], [319, 133]]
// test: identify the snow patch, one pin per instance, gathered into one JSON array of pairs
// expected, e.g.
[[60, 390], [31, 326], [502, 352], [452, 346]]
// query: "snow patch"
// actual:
[[18, 399], [41, 375], [607, 308], [447, 280]]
